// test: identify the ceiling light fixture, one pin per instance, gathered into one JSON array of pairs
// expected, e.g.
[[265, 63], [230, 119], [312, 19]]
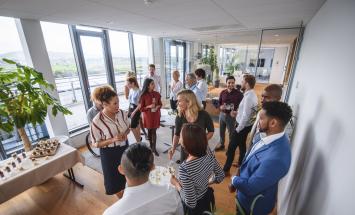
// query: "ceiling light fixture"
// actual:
[[276, 35], [148, 2]]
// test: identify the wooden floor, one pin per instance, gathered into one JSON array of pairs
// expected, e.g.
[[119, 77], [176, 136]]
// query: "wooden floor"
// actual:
[[60, 196]]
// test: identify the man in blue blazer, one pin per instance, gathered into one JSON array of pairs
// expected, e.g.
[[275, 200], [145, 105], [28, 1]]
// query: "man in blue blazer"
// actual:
[[267, 161]]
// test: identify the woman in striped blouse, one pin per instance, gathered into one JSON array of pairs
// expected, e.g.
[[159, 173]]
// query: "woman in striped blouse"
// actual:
[[198, 171], [109, 130]]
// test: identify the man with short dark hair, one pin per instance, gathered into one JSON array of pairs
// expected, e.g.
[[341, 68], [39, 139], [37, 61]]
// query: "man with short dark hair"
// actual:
[[155, 77], [229, 100], [244, 122], [266, 163], [140, 196], [272, 92]]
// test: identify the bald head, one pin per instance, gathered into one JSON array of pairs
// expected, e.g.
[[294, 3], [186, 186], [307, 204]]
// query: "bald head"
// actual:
[[272, 92]]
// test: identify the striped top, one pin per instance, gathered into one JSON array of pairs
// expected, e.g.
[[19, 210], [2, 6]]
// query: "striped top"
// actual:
[[194, 176], [103, 127]]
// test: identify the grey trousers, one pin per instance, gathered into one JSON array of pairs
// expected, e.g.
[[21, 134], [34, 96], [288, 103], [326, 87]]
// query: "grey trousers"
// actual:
[[225, 120]]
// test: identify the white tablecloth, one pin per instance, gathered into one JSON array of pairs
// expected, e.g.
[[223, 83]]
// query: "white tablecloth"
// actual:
[[65, 158]]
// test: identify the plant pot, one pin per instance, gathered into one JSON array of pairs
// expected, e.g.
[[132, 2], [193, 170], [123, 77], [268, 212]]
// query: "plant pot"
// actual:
[[216, 83]]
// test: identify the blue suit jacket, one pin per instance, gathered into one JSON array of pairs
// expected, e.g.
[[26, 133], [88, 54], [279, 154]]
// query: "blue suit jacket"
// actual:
[[260, 174]]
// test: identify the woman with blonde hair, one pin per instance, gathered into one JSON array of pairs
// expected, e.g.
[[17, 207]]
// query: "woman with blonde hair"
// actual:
[[175, 87], [189, 111]]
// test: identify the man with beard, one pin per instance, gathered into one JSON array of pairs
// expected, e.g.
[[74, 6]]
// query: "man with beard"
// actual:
[[272, 92], [247, 109], [229, 100], [268, 160]]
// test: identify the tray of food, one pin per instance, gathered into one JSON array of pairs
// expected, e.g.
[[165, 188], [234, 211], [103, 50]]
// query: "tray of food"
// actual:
[[45, 148], [161, 175]]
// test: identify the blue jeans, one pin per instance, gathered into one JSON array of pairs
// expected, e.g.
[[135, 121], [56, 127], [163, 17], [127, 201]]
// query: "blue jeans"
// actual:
[[225, 120]]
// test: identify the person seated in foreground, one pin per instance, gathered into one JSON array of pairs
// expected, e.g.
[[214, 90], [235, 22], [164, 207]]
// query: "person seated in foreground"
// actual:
[[140, 196]]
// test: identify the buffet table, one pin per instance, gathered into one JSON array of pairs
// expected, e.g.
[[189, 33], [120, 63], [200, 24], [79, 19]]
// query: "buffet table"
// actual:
[[168, 120], [36, 172]]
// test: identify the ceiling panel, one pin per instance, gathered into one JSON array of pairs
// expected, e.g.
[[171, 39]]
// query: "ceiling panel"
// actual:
[[186, 19]]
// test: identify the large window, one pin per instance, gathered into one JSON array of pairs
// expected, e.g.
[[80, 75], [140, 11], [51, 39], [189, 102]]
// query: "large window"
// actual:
[[10, 44], [120, 57], [11, 48], [141, 51], [63, 64]]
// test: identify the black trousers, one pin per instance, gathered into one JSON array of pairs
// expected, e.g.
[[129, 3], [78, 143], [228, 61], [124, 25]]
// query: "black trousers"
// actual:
[[204, 104], [205, 204], [173, 104], [237, 139]]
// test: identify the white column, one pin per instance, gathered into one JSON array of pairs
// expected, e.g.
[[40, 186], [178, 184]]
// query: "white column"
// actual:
[[30, 33], [158, 53]]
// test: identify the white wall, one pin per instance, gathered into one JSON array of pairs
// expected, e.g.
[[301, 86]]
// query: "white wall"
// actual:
[[322, 175]]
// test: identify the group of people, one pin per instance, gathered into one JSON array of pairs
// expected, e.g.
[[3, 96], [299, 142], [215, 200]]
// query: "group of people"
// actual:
[[126, 166]]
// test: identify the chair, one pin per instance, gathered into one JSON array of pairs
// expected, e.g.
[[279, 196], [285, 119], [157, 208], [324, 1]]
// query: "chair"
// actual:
[[88, 145]]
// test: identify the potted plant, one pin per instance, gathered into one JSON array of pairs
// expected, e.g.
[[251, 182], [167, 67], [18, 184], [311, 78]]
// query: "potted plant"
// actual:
[[24, 99], [211, 59]]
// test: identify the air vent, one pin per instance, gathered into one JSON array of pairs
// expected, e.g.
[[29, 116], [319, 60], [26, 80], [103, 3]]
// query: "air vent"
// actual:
[[218, 27]]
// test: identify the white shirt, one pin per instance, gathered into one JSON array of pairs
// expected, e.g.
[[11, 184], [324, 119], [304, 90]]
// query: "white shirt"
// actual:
[[197, 92], [156, 79], [175, 88], [248, 106], [133, 96], [265, 140], [202, 85], [147, 199], [103, 127]]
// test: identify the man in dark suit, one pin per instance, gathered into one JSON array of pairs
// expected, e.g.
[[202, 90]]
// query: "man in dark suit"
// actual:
[[267, 161]]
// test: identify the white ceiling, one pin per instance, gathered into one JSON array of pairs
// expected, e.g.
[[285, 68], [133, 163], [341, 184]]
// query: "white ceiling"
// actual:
[[219, 21]]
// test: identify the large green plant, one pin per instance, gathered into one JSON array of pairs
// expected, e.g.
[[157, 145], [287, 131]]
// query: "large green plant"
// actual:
[[211, 59], [24, 99]]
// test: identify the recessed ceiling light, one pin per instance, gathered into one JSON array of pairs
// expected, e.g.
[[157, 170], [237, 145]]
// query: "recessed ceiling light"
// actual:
[[148, 2]]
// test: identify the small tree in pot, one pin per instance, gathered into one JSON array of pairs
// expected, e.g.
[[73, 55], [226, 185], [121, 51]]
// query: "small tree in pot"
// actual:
[[24, 99], [211, 59]]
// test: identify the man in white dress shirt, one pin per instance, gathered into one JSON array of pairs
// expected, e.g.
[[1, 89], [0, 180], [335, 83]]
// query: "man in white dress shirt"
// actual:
[[202, 85], [246, 112], [140, 196], [154, 76], [191, 82]]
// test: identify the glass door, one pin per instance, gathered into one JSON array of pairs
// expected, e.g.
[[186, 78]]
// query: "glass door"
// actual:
[[175, 60]]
